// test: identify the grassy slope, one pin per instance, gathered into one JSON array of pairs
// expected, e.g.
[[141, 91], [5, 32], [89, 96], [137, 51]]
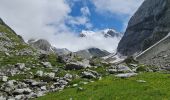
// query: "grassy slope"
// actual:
[[110, 88], [13, 59]]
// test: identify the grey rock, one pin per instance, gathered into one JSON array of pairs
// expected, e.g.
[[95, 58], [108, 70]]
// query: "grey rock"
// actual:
[[41, 44], [157, 55], [141, 81], [2, 98], [68, 77], [126, 75], [4, 78], [147, 26], [47, 64], [62, 51], [74, 66], [49, 75], [20, 66], [39, 73], [90, 74], [20, 97], [123, 68], [43, 88], [112, 71], [22, 91]]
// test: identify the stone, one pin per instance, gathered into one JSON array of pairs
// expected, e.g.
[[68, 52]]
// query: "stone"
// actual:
[[75, 85], [22, 91], [40, 93], [126, 75], [50, 75], [74, 66], [141, 81], [39, 73], [4, 78], [20, 66], [88, 75], [7, 54], [68, 76], [55, 70], [80, 89], [112, 71], [43, 88], [2, 98], [123, 68], [19, 97], [47, 64]]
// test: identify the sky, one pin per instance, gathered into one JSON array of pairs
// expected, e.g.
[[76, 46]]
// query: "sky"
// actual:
[[60, 21]]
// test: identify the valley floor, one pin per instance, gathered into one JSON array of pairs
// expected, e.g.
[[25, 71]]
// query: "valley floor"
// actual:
[[145, 86]]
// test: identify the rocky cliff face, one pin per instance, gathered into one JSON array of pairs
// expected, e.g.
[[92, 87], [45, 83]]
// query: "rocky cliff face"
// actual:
[[158, 54], [148, 25]]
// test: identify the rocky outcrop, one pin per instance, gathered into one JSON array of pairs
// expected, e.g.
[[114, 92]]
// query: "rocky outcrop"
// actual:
[[158, 54], [148, 25], [41, 44]]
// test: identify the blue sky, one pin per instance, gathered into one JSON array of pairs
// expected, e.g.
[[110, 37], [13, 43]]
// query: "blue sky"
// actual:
[[98, 20]]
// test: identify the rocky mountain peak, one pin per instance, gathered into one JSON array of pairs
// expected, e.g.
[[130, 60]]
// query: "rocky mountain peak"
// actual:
[[148, 25], [41, 44], [105, 33]]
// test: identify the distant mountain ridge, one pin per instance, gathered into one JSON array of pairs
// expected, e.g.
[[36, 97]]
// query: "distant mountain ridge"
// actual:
[[92, 52]]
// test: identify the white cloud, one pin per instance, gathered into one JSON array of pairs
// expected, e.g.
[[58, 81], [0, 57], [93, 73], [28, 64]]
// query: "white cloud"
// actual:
[[119, 7], [85, 11], [32, 18], [97, 40], [81, 20]]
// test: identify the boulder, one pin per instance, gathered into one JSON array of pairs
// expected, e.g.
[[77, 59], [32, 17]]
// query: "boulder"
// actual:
[[126, 75], [39, 73], [75, 66], [112, 71], [22, 91], [47, 64], [20, 97], [4, 78], [90, 74], [2, 98], [49, 75], [43, 88], [123, 68]]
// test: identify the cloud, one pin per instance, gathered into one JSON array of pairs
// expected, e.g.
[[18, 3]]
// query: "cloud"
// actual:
[[119, 7], [49, 19], [85, 11], [81, 20], [97, 40], [35, 18]]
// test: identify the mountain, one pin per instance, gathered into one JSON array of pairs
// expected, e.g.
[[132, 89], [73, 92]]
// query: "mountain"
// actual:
[[158, 54], [12, 44], [105, 33], [92, 52], [147, 26], [61, 51], [41, 44]]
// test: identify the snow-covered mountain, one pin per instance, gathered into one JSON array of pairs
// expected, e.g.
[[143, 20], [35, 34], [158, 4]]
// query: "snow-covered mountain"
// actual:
[[107, 33]]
